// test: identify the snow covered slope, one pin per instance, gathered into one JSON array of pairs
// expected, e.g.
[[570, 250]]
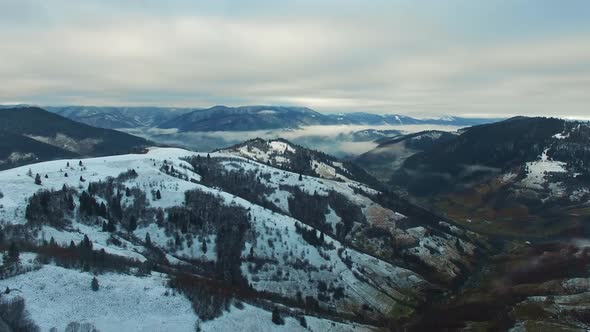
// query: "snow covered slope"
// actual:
[[326, 247]]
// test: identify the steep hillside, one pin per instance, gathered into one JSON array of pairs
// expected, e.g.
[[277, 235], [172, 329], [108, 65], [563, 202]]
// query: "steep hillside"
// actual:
[[285, 155], [524, 176], [390, 154], [224, 231], [31, 134]]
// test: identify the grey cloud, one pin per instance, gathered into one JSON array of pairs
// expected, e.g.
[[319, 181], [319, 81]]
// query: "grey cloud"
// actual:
[[380, 62]]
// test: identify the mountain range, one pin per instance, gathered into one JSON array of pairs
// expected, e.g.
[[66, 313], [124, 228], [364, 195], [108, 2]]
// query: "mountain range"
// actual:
[[244, 118]]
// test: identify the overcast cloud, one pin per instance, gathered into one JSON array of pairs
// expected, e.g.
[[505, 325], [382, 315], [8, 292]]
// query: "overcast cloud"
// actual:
[[420, 58]]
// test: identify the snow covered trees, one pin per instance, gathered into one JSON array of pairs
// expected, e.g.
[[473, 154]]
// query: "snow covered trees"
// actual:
[[49, 207], [38, 179]]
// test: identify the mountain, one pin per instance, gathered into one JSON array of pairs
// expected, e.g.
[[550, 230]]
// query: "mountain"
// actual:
[[390, 154], [369, 135], [176, 238], [31, 134], [361, 118], [119, 117], [283, 154], [223, 118], [245, 118], [268, 235], [534, 170]]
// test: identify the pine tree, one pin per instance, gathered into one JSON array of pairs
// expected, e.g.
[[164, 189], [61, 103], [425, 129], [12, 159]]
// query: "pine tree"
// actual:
[[30, 173], [38, 179], [132, 223], [82, 179], [103, 210], [148, 240], [276, 317], [158, 194], [80, 163], [204, 247], [12, 256], [71, 204], [68, 164], [46, 176], [111, 227], [65, 175], [86, 244], [94, 284], [300, 177]]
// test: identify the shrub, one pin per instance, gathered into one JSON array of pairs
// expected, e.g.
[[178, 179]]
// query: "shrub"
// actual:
[[14, 315], [94, 284]]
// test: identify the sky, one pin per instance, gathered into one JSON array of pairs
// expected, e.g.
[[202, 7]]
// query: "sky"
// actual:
[[421, 58]]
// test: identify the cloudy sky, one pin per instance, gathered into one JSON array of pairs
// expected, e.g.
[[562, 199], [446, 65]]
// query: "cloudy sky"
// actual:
[[421, 58]]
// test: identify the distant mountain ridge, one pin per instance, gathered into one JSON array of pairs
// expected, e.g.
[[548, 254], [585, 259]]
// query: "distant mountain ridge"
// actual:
[[242, 118], [119, 117], [223, 118]]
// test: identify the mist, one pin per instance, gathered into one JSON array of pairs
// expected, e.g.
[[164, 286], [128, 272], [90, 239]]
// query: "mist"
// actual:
[[338, 141]]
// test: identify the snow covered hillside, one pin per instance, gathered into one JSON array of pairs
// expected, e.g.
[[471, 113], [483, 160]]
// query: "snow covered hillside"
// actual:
[[177, 238]]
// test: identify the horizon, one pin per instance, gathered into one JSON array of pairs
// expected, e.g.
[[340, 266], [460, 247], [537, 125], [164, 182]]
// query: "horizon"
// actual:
[[202, 108]]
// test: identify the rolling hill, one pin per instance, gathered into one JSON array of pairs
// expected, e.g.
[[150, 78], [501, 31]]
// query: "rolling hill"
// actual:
[[32, 134]]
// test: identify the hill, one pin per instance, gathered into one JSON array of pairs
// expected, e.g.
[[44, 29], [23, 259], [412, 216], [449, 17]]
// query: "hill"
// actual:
[[32, 134], [228, 233], [391, 152], [530, 169]]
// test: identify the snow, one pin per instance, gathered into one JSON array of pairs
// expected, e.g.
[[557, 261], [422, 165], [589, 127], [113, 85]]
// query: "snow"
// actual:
[[98, 238], [287, 246], [56, 296], [561, 135], [538, 171], [18, 187], [253, 319]]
